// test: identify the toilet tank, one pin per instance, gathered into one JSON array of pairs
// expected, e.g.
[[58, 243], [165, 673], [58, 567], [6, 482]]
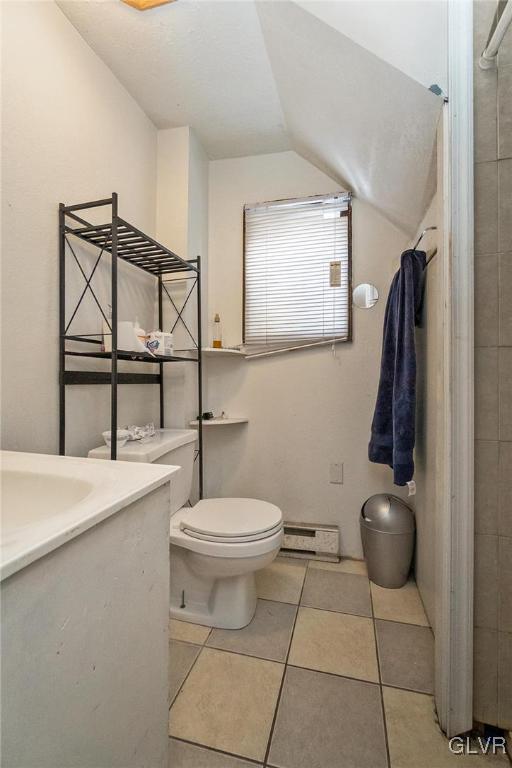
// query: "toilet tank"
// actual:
[[168, 446]]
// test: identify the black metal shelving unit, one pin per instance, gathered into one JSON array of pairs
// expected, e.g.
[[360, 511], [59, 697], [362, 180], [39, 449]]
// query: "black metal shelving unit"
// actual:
[[122, 241]]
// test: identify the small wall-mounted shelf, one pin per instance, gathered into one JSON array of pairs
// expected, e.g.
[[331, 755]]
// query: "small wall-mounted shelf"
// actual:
[[222, 352], [218, 422]]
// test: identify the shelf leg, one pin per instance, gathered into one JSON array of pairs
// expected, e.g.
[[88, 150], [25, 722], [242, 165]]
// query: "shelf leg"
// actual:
[[62, 330], [200, 377], [113, 384], [161, 366]]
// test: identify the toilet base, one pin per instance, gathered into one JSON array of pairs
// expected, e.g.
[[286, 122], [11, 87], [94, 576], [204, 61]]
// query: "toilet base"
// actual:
[[214, 591], [232, 604]]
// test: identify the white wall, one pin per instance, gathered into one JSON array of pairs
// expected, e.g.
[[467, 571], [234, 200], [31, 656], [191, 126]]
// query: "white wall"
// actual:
[[429, 454], [198, 214], [173, 167], [71, 133], [182, 222], [172, 188], [429, 359], [308, 408]]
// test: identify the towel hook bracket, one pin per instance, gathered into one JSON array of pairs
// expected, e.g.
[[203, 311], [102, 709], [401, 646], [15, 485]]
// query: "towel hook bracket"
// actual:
[[420, 238]]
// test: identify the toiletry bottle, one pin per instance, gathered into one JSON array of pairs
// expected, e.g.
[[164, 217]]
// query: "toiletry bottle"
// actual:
[[217, 335]]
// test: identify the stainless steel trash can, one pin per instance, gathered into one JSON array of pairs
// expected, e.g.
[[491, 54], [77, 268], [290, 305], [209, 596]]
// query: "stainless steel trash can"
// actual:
[[387, 533]]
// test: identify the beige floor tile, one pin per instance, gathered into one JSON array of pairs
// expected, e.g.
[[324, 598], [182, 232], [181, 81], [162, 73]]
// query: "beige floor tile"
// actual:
[[326, 721], [183, 755], [267, 636], [181, 659], [228, 703], [281, 581], [190, 633], [415, 739], [399, 604], [335, 642], [344, 566], [406, 655], [343, 592]]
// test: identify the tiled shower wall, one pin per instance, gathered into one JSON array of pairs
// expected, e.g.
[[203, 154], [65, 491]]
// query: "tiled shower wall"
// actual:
[[493, 378]]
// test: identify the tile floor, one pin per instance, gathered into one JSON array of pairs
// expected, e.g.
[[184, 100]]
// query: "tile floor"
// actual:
[[332, 672]]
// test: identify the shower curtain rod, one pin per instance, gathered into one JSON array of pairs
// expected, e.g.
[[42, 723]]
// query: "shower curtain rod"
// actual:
[[500, 25]]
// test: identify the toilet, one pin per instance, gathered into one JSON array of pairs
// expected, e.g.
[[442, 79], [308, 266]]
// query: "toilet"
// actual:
[[216, 546]]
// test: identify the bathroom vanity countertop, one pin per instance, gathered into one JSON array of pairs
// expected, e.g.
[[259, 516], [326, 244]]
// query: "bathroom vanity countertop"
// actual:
[[49, 500]]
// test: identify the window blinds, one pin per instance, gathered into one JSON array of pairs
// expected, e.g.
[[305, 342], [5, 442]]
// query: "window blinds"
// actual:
[[297, 272]]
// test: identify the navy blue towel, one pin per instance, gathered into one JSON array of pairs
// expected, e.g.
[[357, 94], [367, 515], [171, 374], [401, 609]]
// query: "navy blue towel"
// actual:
[[393, 426]]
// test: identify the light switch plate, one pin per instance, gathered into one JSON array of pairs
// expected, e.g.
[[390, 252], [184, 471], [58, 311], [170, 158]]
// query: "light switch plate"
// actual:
[[336, 473]]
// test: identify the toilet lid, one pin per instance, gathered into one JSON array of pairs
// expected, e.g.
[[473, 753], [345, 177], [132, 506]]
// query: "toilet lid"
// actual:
[[232, 520]]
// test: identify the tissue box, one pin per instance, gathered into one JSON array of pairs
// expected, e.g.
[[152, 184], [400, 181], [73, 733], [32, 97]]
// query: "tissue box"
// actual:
[[160, 343]]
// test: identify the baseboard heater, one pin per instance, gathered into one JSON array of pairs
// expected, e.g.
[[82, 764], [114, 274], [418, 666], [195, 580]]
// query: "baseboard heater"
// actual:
[[309, 540]]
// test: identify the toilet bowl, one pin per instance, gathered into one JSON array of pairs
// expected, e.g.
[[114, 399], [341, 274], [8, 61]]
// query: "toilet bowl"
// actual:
[[216, 546]]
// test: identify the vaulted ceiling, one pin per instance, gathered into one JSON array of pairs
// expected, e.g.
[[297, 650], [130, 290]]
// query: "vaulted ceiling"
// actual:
[[257, 77]]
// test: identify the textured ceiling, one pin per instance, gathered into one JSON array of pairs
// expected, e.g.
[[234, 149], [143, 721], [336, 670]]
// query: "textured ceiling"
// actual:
[[415, 39], [252, 78], [193, 63], [353, 115]]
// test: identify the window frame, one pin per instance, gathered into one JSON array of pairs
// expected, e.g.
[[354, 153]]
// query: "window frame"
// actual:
[[270, 349]]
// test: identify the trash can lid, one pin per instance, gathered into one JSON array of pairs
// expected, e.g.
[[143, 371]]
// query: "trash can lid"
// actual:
[[388, 514]]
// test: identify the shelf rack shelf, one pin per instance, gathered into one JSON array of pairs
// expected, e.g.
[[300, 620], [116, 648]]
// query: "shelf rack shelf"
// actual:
[[222, 352], [219, 422], [136, 357], [122, 241]]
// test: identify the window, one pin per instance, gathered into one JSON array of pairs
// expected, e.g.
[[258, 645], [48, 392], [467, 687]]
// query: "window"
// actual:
[[297, 273]]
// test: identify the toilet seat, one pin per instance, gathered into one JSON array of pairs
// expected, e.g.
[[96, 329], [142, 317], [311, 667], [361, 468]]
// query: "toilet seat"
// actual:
[[231, 520], [228, 528], [232, 539]]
